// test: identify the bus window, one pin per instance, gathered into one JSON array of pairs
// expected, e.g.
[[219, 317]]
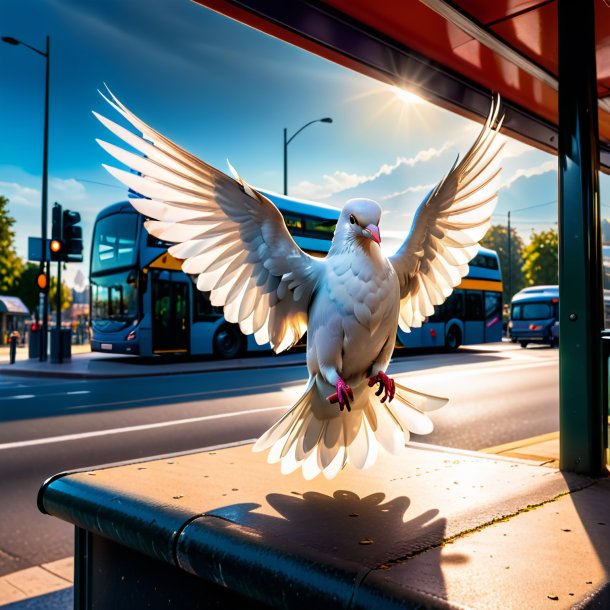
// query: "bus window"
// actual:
[[455, 305], [319, 227], [114, 242], [493, 305], [440, 313], [114, 301], [474, 306], [293, 222], [203, 310], [484, 261], [532, 311]]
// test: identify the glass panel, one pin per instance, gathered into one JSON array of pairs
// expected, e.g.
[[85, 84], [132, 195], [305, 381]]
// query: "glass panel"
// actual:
[[536, 311], [114, 301], [474, 306], [455, 305], [319, 227], [484, 261], [294, 223], [114, 242], [204, 311], [493, 304]]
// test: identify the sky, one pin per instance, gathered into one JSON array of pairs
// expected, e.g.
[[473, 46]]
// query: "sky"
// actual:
[[225, 91]]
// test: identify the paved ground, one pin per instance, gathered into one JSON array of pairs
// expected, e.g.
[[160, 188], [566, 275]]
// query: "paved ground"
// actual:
[[53, 588]]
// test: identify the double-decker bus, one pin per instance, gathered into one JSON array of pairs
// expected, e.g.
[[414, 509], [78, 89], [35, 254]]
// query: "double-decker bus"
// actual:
[[141, 301], [471, 314]]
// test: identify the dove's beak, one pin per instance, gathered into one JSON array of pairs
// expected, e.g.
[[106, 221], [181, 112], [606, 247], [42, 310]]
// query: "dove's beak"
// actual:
[[372, 231]]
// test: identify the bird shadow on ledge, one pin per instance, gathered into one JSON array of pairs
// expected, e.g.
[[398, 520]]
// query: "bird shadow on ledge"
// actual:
[[370, 530]]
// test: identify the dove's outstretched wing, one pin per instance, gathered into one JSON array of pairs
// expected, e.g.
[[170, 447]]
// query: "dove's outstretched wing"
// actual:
[[447, 228], [230, 237]]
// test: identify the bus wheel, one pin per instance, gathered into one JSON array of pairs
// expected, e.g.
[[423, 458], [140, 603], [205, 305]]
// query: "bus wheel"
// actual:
[[228, 341], [523, 344], [453, 340]]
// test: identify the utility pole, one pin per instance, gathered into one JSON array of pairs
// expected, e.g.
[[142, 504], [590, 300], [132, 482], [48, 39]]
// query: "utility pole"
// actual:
[[510, 262]]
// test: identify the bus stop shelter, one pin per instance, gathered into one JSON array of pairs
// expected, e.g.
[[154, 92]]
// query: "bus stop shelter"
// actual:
[[550, 62], [221, 529]]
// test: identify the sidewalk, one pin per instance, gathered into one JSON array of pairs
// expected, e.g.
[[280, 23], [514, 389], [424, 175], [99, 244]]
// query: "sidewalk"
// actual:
[[85, 364], [515, 533]]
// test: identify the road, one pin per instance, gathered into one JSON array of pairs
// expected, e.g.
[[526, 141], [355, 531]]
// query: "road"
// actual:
[[498, 394]]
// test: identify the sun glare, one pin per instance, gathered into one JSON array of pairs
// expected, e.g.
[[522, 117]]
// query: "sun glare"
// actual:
[[406, 96]]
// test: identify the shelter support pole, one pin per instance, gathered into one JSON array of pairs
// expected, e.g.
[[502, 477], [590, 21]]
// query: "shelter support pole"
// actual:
[[583, 408]]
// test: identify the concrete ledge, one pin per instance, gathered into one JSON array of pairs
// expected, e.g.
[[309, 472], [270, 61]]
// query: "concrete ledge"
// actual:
[[379, 538]]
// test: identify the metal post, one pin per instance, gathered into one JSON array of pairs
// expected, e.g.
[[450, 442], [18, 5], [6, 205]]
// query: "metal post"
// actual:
[[582, 406], [58, 296], [285, 163], [45, 174], [510, 262], [12, 348], [292, 137]]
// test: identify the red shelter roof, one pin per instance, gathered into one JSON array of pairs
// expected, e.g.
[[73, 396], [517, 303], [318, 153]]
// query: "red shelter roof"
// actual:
[[476, 46]]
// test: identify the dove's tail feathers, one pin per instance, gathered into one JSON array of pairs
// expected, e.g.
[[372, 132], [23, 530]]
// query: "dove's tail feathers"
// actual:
[[326, 445]]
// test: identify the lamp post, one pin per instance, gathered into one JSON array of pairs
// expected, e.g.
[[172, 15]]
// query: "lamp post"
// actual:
[[45, 172], [288, 140]]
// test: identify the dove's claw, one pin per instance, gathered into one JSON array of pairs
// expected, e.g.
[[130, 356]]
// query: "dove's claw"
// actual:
[[386, 386], [343, 395]]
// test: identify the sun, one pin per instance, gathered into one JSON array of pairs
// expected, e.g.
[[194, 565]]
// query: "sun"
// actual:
[[406, 96]]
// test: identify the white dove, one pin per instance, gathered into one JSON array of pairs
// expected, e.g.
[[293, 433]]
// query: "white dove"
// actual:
[[234, 243]]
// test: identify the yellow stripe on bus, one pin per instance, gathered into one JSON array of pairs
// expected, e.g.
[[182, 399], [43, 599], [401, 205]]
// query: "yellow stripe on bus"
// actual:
[[166, 261], [468, 284]]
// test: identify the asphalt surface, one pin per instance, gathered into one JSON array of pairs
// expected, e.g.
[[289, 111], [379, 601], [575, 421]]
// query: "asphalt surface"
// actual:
[[498, 394]]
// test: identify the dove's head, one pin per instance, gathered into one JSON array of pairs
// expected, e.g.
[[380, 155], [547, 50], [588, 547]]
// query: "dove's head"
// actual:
[[360, 219]]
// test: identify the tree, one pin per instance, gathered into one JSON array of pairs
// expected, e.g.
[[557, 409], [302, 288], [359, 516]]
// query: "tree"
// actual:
[[497, 239], [66, 295], [541, 258], [27, 289], [11, 266]]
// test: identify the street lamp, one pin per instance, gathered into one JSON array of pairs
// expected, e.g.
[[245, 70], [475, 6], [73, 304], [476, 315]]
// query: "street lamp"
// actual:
[[288, 140], [45, 172]]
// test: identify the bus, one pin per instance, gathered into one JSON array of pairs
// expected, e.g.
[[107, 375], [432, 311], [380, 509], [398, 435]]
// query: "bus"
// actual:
[[534, 316], [143, 304], [471, 314]]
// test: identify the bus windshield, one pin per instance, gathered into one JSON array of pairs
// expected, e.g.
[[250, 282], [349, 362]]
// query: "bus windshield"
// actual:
[[114, 242], [532, 311], [114, 301]]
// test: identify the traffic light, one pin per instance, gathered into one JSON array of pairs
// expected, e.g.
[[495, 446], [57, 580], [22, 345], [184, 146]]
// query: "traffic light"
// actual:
[[72, 235], [41, 280], [56, 234]]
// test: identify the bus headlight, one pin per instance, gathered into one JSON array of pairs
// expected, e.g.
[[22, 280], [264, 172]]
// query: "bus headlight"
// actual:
[[131, 336]]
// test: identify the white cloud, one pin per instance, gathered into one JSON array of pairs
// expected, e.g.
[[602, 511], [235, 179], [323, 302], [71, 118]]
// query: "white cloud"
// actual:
[[513, 148], [543, 168], [20, 195], [66, 191], [341, 181], [63, 191], [411, 189]]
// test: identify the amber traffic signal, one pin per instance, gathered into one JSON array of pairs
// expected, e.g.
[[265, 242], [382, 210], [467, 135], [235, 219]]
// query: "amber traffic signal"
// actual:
[[56, 233], [41, 281]]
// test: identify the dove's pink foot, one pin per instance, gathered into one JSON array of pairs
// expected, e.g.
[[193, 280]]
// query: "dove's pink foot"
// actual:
[[343, 395], [385, 384]]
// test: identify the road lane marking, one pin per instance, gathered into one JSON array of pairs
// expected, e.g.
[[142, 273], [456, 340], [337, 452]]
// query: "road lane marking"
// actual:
[[139, 428], [78, 392], [276, 384], [19, 397], [484, 368]]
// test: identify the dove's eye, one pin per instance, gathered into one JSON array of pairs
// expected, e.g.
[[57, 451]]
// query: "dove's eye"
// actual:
[[352, 219]]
